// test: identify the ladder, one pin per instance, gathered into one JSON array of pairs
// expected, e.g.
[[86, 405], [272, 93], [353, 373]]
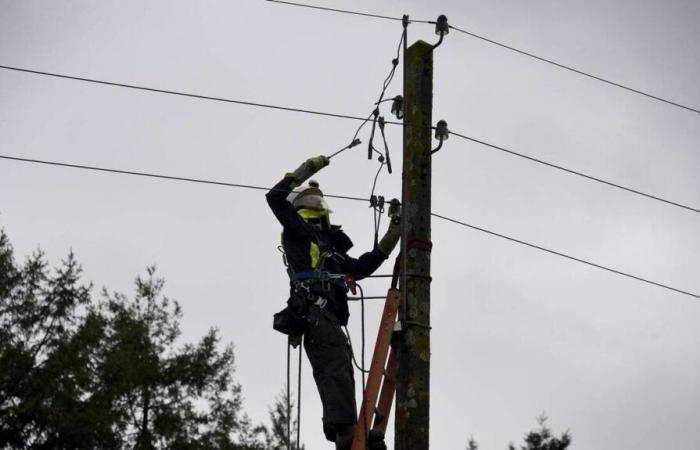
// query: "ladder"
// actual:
[[377, 405]]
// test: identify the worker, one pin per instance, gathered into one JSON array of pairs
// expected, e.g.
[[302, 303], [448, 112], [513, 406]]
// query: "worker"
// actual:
[[318, 267]]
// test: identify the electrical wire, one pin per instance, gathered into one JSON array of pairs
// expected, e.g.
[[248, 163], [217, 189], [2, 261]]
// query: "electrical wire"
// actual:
[[185, 94], [580, 72], [575, 172], [680, 291], [345, 11], [563, 255], [160, 176], [508, 47], [342, 116]]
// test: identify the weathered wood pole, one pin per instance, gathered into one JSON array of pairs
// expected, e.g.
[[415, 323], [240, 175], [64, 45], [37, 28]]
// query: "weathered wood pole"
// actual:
[[412, 421]]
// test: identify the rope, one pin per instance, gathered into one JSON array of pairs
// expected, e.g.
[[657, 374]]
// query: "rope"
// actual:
[[299, 396], [289, 399], [364, 383]]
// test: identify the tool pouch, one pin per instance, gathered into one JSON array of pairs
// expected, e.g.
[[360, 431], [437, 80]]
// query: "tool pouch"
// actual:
[[289, 323], [293, 319]]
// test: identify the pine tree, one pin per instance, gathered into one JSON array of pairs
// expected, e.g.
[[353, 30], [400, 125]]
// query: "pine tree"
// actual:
[[543, 439], [277, 435], [83, 374], [538, 439]]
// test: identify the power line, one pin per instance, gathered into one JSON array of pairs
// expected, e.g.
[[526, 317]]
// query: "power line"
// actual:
[[574, 172], [185, 94], [344, 197], [563, 255], [345, 11], [160, 176], [580, 72], [508, 47], [345, 116]]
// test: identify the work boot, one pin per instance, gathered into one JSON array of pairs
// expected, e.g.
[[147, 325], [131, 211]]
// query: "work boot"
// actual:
[[343, 437], [375, 440]]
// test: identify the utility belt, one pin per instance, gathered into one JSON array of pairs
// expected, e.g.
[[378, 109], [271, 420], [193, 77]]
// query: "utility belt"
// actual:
[[309, 289], [327, 280]]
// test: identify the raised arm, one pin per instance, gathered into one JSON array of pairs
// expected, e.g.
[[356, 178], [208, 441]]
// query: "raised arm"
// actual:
[[277, 196]]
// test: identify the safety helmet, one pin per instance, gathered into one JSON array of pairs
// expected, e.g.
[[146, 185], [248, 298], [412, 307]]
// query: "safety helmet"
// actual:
[[310, 205], [309, 197]]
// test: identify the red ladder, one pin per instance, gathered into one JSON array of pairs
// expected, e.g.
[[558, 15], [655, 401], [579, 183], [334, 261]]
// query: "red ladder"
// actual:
[[374, 408]]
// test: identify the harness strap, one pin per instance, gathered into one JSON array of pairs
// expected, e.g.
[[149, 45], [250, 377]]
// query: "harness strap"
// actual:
[[324, 277]]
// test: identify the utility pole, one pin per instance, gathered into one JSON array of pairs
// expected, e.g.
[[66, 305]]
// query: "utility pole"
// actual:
[[412, 421]]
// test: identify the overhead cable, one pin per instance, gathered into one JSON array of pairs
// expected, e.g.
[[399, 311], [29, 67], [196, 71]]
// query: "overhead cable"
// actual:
[[580, 72], [345, 11], [364, 120], [161, 176], [574, 172], [474, 227], [185, 94], [563, 255], [508, 47]]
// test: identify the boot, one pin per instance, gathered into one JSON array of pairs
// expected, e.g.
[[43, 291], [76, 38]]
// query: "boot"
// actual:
[[375, 440], [343, 437]]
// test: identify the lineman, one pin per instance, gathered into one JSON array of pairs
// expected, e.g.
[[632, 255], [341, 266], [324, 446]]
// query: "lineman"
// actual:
[[317, 260]]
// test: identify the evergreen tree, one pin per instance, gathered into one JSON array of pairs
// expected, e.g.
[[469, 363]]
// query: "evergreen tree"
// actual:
[[472, 444], [277, 435], [538, 439], [543, 439], [84, 374]]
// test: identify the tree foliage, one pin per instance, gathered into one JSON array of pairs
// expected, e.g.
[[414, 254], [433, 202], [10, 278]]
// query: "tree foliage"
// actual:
[[538, 439], [280, 425], [81, 373]]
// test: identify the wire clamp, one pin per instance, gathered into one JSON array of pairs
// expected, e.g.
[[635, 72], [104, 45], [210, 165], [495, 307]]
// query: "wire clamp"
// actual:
[[377, 202]]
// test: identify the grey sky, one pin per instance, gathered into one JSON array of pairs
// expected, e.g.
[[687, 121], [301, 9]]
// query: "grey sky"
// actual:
[[515, 331]]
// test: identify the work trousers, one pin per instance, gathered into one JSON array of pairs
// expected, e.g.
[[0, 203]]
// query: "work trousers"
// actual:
[[330, 356]]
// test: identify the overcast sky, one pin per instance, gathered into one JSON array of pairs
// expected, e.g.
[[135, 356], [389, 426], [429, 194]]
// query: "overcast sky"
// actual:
[[515, 331]]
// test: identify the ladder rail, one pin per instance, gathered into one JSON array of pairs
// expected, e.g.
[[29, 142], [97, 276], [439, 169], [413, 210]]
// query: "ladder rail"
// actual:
[[377, 368]]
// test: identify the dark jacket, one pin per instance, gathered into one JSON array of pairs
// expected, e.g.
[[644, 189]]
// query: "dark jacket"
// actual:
[[297, 236]]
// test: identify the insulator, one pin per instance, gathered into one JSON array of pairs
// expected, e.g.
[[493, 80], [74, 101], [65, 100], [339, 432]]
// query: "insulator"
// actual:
[[397, 107], [441, 131], [441, 26]]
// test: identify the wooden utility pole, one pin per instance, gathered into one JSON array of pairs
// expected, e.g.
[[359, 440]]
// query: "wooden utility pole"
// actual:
[[413, 385]]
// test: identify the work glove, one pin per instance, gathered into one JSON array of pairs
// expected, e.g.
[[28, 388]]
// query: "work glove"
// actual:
[[308, 168], [393, 233]]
